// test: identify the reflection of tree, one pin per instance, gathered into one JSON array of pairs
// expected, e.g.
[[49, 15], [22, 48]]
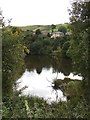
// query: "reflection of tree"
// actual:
[[65, 66], [37, 62], [39, 70], [58, 65]]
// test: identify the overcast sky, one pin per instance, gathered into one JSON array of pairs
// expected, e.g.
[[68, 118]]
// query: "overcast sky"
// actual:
[[35, 12]]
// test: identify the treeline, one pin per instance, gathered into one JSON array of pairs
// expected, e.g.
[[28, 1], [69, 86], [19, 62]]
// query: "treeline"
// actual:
[[49, 43]]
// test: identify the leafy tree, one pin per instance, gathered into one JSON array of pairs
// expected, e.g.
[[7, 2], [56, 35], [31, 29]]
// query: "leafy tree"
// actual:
[[65, 49], [36, 48], [79, 49], [12, 59], [80, 28], [53, 27], [62, 29], [16, 30], [38, 32]]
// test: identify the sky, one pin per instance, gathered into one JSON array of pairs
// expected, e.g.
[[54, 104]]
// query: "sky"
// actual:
[[35, 12]]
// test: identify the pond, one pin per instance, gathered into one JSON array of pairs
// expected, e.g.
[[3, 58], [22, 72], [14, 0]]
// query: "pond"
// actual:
[[40, 74]]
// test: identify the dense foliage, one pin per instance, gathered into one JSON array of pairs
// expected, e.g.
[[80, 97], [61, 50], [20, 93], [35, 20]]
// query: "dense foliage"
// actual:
[[33, 107], [40, 44], [12, 58], [80, 42]]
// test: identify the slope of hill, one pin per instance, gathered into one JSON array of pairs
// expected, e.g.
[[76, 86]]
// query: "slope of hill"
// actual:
[[43, 27], [34, 27]]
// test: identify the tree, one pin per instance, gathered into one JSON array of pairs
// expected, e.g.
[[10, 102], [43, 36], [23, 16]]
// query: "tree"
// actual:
[[38, 32], [16, 30], [12, 59], [64, 49], [80, 23], [80, 42], [62, 29], [53, 27]]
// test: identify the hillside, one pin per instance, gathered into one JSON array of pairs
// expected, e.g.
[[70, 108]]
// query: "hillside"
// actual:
[[42, 27], [33, 27]]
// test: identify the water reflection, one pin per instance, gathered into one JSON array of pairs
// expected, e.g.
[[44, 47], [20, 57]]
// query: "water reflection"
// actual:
[[41, 84], [40, 62]]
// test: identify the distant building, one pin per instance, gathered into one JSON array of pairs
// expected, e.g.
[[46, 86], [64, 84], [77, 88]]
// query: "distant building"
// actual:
[[44, 32], [57, 34]]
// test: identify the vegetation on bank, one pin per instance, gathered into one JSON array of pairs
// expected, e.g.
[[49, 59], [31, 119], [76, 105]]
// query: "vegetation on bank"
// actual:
[[34, 107], [16, 43]]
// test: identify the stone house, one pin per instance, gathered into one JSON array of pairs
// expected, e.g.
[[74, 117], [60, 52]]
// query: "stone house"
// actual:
[[57, 34]]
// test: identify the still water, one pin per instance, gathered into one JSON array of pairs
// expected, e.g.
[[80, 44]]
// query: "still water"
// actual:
[[39, 74]]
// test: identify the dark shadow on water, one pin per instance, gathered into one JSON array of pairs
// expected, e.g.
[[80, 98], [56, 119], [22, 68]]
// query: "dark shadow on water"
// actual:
[[39, 62]]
